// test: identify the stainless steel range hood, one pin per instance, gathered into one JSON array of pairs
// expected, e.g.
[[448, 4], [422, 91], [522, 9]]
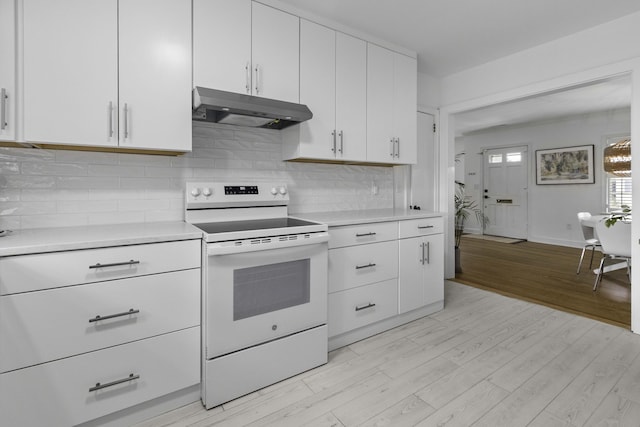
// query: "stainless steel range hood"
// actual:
[[218, 106]]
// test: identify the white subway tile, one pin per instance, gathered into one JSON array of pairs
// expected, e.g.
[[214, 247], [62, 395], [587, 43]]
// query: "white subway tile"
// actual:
[[54, 194], [85, 206], [115, 170], [87, 182], [9, 168], [54, 220], [57, 169]]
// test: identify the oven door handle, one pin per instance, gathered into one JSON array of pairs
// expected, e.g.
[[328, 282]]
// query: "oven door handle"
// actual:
[[244, 246]]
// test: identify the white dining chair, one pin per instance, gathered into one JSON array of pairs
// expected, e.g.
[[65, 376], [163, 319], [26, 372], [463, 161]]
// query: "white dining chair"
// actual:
[[616, 244], [590, 239]]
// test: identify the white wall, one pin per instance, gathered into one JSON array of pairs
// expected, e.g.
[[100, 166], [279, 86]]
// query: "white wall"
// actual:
[[48, 188], [552, 208], [428, 91]]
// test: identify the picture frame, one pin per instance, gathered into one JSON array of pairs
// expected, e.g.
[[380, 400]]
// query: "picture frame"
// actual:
[[565, 165]]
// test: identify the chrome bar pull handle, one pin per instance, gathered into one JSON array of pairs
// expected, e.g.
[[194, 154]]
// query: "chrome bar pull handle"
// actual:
[[100, 386], [422, 227], [114, 264], [428, 253], [364, 307], [360, 267], [398, 147], [247, 70], [341, 141], [365, 234], [3, 108], [422, 259], [333, 136], [110, 119], [257, 79], [392, 147], [126, 121], [112, 316]]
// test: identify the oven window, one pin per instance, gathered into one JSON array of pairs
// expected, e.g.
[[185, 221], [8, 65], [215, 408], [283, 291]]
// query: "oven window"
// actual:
[[267, 288]]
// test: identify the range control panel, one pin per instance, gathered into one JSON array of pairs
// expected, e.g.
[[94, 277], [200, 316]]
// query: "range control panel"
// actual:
[[202, 194]]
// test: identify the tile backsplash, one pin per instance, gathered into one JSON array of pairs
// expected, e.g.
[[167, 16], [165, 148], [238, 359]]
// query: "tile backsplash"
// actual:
[[51, 188]]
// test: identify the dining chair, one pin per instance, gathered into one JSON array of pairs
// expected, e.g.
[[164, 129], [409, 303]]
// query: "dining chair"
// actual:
[[616, 244], [590, 239]]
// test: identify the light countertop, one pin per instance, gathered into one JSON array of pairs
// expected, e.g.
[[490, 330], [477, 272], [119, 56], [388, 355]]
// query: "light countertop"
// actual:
[[38, 240], [339, 218]]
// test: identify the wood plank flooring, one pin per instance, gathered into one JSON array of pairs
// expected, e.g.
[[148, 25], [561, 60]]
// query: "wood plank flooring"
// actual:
[[546, 274], [485, 360]]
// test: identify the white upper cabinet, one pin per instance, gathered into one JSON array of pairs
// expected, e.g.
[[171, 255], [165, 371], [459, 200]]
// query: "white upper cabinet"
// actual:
[[155, 74], [7, 70], [391, 106], [71, 72], [246, 47], [222, 45], [333, 69], [108, 73]]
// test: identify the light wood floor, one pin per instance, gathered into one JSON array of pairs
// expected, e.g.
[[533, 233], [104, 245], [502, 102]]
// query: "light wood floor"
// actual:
[[546, 274], [485, 360]]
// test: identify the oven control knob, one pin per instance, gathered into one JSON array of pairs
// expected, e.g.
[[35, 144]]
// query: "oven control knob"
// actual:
[[206, 192], [195, 192], [283, 190], [274, 191]]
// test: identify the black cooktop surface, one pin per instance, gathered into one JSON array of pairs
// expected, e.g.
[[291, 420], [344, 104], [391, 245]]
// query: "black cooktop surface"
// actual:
[[252, 224]]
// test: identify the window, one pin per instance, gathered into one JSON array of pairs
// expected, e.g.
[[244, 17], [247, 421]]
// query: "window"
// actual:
[[514, 157], [618, 193], [618, 188], [495, 158]]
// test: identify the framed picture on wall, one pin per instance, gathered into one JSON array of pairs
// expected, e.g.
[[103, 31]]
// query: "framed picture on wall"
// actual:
[[566, 165]]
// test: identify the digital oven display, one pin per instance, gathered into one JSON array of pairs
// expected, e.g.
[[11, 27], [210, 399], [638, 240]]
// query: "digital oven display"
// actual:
[[240, 189]]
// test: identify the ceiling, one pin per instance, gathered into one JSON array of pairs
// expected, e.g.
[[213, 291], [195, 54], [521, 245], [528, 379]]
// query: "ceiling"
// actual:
[[605, 95], [453, 35]]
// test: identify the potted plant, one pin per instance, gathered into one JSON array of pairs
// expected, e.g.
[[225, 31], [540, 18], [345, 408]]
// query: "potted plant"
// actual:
[[464, 208], [624, 215]]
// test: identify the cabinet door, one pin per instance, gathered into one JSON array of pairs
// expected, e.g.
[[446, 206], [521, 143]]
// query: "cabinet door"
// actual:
[[7, 70], [222, 44], [317, 90], [155, 74], [405, 105], [71, 71], [421, 272], [379, 104], [351, 97], [411, 275], [275, 51]]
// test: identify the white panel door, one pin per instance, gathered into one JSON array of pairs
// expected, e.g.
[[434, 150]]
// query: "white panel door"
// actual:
[[222, 45], [155, 74], [275, 50], [71, 71], [424, 174], [405, 104], [351, 97], [379, 104], [505, 191], [7, 71], [318, 90]]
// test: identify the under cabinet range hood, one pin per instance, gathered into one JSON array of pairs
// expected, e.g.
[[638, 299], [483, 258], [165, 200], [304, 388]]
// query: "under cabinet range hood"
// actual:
[[212, 105]]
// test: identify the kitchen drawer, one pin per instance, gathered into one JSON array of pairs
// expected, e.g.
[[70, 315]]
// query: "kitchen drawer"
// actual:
[[58, 393], [37, 327], [363, 233], [26, 273], [354, 266], [420, 227], [347, 308]]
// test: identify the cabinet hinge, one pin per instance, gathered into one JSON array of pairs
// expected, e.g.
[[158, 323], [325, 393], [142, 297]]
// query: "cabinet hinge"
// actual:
[[434, 128]]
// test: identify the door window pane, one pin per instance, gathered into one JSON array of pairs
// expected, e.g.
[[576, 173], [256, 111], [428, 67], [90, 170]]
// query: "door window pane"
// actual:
[[514, 157], [266, 288], [495, 158]]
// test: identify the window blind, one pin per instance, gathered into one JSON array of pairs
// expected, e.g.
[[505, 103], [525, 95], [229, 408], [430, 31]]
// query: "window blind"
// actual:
[[618, 193]]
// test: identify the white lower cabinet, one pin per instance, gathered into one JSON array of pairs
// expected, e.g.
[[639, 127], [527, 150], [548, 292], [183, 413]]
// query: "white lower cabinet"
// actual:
[[382, 275], [421, 250], [86, 333]]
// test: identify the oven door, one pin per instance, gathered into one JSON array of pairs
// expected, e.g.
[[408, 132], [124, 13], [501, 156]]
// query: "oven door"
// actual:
[[258, 296]]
